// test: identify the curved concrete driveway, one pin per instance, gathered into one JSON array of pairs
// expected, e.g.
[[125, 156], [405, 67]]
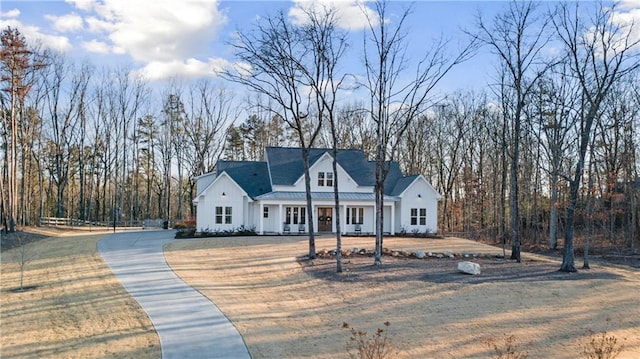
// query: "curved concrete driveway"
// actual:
[[188, 324]]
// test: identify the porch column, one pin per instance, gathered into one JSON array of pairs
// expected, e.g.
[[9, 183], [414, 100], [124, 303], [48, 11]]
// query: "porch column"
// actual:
[[279, 224], [393, 218], [344, 219], [261, 220]]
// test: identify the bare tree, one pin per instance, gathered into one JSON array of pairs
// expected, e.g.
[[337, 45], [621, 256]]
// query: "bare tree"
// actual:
[[274, 61], [396, 102], [23, 255], [209, 110], [328, 45], [555, 102], [517, 37], [172, 117], [62, 113], [600, 52], [450, 129], [18, 63]]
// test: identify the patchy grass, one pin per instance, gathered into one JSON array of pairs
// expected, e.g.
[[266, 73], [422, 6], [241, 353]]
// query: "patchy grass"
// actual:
[[288, 309], [75, 307]]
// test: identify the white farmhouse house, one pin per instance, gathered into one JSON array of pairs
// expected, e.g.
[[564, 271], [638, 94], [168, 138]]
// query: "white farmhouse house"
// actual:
[[269, 195]]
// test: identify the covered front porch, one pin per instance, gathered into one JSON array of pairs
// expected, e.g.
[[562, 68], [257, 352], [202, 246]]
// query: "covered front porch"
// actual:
[[286, 213]]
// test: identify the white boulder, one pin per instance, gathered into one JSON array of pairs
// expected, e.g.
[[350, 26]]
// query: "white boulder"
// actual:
[[469, 268]]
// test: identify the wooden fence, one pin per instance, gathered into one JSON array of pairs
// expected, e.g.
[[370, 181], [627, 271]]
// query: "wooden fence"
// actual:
[[72, 222]]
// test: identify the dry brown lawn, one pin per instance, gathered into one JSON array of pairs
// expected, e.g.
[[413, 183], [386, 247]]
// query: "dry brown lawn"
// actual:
[[76, 308], [285, 308]]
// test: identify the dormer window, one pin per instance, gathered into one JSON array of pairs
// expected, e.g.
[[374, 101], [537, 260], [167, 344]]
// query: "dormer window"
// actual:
[[325, 179]]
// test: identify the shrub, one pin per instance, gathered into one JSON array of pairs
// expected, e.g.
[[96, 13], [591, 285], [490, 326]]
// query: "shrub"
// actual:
[[186, 233], [362, 346], [190, 222], [507, 349], [193, 233], [179, 225], [601, 346]]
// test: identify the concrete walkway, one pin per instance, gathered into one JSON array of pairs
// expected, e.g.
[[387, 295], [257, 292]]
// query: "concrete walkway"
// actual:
[[188, 324]]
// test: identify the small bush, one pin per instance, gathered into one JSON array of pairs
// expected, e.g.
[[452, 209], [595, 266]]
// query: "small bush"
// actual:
[[505, 349], [601, 346], [190, 222], [362, 346], [185, 233], [193, 233], [179, 225]]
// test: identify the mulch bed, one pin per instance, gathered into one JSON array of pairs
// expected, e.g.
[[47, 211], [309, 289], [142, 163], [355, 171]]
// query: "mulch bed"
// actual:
[[360, 268]]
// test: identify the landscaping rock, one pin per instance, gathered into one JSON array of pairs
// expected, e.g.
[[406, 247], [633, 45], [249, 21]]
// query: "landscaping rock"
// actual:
[[420, 254], [469, 268]]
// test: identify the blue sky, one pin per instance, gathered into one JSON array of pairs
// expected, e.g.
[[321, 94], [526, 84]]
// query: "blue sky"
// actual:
[[188, 39]]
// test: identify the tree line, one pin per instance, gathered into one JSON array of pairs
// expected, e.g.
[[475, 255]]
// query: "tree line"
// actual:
[[84, 143], [547, 151]]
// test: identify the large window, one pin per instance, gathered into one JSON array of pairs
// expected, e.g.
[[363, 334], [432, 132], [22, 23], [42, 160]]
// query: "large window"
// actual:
[[355, 215], [418, 215], [223, 215], [295, 215], [325, 179]]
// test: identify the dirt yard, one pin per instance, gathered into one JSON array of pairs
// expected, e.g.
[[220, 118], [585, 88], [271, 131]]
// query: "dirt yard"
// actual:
[[287, 308], [74, 307]]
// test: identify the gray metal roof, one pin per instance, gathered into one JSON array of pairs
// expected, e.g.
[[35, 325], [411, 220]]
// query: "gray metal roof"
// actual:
[[329, 196]]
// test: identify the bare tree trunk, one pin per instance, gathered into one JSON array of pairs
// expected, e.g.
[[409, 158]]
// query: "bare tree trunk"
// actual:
[[614, 46], [307, 186]]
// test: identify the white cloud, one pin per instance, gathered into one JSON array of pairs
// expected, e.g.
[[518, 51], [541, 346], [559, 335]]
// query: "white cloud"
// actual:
[[352, 14], [98, 26], [11, 13], [82, 4], [628, 4], [65, 23], [190, 68], [96, 46], [627, 16], [167, 36], [162, 32], [35, 37]]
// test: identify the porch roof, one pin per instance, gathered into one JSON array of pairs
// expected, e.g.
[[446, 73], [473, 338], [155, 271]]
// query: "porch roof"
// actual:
[[328, 196]]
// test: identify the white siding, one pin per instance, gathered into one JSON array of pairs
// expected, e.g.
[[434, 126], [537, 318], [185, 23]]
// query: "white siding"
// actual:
[[325, 164], [222, 193], [419, 195]]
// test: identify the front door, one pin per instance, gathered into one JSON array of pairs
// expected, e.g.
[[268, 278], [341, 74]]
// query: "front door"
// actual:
[[325, 219]]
